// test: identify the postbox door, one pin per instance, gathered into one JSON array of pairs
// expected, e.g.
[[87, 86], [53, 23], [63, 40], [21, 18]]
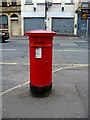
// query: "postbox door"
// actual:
[[41, 65]]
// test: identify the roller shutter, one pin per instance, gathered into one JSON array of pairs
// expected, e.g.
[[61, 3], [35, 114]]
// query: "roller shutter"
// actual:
[[33, 24], [63, 25]]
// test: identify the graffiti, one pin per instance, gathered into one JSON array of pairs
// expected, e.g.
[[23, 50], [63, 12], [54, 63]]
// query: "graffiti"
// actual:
[[83, 27], [64, 30]]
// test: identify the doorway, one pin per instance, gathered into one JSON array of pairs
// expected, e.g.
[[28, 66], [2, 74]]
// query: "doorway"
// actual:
[[14, 25]]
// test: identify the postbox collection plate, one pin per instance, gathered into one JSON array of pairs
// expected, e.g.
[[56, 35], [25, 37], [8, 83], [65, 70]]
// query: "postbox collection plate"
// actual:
[[38, 52]]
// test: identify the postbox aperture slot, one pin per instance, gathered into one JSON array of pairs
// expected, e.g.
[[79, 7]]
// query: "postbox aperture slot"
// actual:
[[38, 42]]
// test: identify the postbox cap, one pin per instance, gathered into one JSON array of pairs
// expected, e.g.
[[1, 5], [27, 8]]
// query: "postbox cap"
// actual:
[[40, 33]]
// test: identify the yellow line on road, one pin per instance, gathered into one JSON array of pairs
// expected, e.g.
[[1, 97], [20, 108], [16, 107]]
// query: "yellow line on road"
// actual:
[[15, 63], [8, 63], [71, 64]]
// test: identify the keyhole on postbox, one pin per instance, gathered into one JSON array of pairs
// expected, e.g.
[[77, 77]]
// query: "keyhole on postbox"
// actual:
[[46, 62]]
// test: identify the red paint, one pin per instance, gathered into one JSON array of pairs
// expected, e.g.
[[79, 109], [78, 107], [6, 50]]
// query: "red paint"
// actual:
[[41, 68]]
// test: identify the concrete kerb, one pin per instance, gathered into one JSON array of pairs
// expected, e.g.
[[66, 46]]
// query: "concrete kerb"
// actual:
[[18, 38], [71, 38], [59, 37]]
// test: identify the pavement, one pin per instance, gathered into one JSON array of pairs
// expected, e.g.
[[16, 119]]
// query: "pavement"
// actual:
[[69, 97]]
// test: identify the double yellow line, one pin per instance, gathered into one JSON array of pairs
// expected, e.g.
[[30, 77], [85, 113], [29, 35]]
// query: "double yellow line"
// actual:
[[8, 63], [15, 63]]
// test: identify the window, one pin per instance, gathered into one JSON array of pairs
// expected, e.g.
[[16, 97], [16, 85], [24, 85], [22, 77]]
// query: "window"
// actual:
[[3, 22], [84, 4], [14, 2], [14, 17], [28, 2], [4, 3]]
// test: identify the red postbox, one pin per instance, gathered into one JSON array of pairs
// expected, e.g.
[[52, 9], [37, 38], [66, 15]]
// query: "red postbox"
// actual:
[[40, 43]]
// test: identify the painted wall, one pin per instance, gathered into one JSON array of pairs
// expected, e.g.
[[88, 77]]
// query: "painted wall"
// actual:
[[27, 10]]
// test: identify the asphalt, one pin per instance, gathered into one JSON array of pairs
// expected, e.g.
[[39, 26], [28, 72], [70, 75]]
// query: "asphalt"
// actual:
[[69, 97]]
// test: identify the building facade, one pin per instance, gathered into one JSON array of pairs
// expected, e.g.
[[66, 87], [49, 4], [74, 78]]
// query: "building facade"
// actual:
[[61, 16], [66, 17], [10, 16], [83, 18]]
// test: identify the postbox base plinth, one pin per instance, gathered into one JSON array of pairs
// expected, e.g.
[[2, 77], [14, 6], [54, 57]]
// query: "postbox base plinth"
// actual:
[[40, 91]]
